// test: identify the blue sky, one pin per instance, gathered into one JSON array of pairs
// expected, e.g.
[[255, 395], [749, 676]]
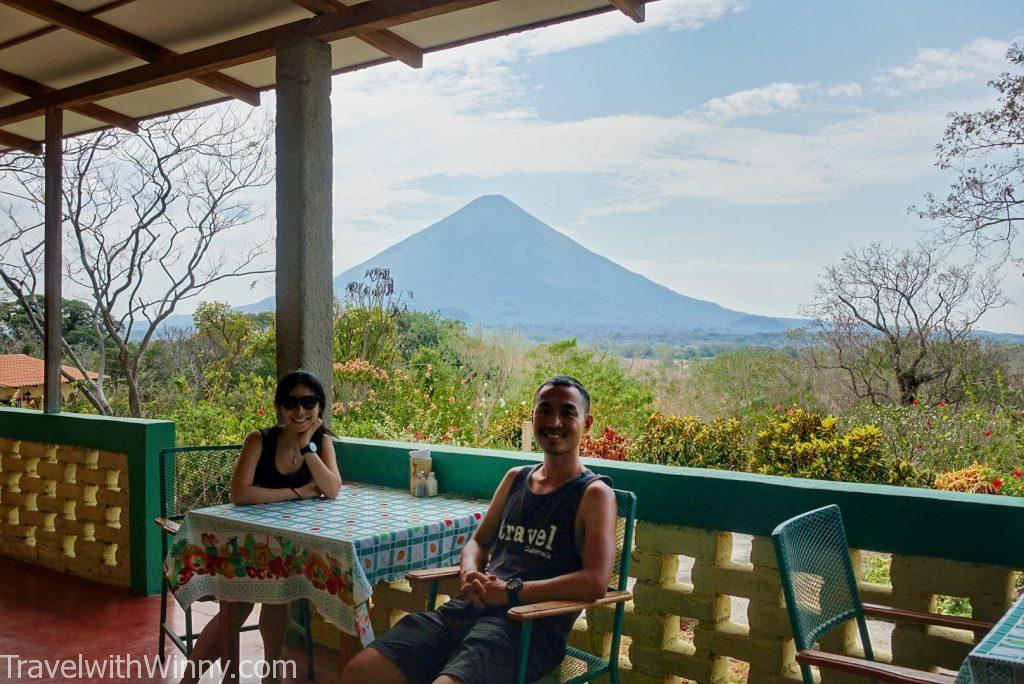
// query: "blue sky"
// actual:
[[728, 149]]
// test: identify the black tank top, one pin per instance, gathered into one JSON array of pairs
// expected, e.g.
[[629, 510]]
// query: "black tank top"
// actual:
[[537, 536], [267, 475]]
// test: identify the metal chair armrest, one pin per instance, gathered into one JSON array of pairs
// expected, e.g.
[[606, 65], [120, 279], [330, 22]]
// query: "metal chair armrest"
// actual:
[[533, 611], [432, 574], [876, 611], [867, 668], [168, 526]]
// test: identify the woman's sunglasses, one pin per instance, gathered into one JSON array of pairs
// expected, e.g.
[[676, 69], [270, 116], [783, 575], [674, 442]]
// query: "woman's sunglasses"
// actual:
[[309, 402]]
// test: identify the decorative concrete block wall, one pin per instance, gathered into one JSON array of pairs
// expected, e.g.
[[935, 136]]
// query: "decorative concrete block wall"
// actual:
[[942, 544], [66, 508], [78, 493]]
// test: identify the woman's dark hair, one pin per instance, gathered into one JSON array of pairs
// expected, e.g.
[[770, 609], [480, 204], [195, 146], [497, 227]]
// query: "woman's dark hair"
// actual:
[[300, 377]]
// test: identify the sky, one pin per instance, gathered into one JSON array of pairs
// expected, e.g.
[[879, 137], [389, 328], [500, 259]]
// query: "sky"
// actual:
[[727, 149]]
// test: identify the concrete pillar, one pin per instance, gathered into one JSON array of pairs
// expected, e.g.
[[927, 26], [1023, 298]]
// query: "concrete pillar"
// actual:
[[305, 295]]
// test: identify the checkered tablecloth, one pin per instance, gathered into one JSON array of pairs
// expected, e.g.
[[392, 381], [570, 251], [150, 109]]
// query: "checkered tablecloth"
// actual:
[[329, 551], [999, 658]]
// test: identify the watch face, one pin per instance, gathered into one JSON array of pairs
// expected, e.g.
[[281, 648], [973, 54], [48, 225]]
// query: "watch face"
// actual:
[[312, 447], [514, 584]]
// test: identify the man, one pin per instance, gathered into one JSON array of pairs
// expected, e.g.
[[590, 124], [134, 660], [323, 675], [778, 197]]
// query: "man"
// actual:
[[549, 534]]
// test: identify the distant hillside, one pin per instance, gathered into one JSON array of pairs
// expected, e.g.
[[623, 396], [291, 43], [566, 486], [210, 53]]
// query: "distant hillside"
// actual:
[[493, 264]]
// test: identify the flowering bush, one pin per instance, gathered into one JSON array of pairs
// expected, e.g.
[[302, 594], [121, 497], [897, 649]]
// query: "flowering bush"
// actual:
[[807, 444], [688, 441], [981, 479], [610, 445]]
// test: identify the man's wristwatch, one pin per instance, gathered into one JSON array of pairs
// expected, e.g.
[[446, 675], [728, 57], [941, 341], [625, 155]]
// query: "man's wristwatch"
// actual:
[[513, 587], [308, 449]]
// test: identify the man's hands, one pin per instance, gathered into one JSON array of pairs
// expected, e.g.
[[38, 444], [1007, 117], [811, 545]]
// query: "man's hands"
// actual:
[[483, 590]]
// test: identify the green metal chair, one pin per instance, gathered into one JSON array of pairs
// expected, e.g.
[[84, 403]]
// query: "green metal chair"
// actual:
[[577, 666], [821, 593], [196, 477]]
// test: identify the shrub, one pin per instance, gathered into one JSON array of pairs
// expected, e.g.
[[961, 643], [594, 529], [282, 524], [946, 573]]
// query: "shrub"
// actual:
[[976, 479], [688, 441], [610, 445], [801, 443]]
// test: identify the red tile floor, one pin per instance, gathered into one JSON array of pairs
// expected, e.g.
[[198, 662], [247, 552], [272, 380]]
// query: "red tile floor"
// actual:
[[50, 616]]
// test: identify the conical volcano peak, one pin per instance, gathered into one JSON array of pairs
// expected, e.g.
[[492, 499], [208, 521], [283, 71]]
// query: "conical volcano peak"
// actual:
[[492, 263]]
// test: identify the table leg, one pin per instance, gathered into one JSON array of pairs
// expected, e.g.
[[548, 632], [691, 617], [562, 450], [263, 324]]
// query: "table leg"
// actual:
[[228, 642]]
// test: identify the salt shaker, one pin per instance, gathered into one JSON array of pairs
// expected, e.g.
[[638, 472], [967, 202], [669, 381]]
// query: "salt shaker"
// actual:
[[431, 485], [421, 484]]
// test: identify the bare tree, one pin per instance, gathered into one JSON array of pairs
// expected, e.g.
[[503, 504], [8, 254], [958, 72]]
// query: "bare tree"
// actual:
[[891, 321], [985, 205], [148, 222]]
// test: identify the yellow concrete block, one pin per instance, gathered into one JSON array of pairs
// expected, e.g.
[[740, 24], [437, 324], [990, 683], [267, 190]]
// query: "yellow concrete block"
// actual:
[[672, 600], [91, 513], [36, 450], [655, 567], [734, 579], [53, 471], [18, 549], [31, 484], [952, 578], [15, 464], [72, 455], [937, 647], [91, 476], [686, 541], [50, 504], [111, 460], [15, 498], [653, 631], [762, 553], [112, 497]]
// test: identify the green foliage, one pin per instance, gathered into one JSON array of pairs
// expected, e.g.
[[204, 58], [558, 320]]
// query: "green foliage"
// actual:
[[617, 401], [945, 437], [688, 441], [18, 335], [801, 443], [223, 417]]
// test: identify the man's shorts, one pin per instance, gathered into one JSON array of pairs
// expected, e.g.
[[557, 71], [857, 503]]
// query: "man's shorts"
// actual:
[[477, 646]]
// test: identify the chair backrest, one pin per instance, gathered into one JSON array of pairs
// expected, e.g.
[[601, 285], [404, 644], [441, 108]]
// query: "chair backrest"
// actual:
[[625, 518], [194, 477], [817, 576]]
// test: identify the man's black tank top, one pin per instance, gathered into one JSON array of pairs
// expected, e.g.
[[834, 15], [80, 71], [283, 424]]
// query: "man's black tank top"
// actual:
[[537, 536], [267, 475]]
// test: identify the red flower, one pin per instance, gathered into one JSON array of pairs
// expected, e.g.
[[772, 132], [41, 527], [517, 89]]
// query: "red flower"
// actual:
[[942, 403], [260, 411], [916, 402], [789, 412], [445, 437], [929, 423], [1017, 473], [997, 483], [452, 428], [987, 433], [778, 407]]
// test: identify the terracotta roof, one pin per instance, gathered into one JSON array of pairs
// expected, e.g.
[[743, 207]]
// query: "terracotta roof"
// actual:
[[21, 370]]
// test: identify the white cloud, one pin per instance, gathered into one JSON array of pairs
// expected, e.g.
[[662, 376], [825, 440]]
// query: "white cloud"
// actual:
[[764, 100], [933, 68], [850, 89]]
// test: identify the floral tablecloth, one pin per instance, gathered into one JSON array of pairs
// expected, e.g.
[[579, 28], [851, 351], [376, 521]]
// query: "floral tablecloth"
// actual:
[[999, 657], [329, 551]]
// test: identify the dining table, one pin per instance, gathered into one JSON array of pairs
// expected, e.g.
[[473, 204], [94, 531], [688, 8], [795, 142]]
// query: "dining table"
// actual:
[[331, 552], [999, 657]]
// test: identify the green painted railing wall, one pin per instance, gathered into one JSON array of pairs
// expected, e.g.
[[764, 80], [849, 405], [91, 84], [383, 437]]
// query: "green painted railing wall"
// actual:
[[915, 522], [141, 440]]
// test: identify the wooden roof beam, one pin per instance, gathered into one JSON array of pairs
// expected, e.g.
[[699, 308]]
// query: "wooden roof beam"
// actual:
[[26, 86], [634, 9], [388, 42], [24, 38], [119, 39], [372, 15], [19, 143]]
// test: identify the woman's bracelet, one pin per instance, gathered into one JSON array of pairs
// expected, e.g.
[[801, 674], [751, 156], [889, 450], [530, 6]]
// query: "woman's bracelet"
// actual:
[[296, 492]]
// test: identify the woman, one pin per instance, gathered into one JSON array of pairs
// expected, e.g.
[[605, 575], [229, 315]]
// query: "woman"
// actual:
[[290, 461]]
